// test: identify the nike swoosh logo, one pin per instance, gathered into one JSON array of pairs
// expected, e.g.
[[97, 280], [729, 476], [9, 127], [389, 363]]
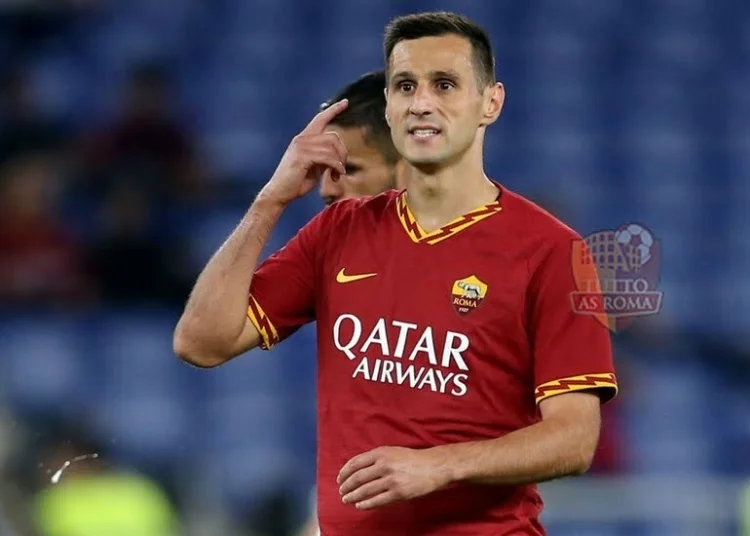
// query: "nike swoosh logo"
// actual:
[[341, 277]]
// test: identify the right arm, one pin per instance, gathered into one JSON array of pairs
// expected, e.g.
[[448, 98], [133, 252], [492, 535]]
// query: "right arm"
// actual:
[[215, 326]]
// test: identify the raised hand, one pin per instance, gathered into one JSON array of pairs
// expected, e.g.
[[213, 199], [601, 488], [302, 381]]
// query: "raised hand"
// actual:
[[307, 157]]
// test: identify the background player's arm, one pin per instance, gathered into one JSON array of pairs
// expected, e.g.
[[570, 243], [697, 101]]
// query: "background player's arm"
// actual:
[[214, 326], [310, 527]]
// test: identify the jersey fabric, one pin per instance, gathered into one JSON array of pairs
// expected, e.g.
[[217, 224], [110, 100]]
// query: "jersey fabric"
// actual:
[[432, 338]]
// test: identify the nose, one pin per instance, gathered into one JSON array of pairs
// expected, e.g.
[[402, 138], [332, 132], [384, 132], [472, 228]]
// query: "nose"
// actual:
[[330, 190], [422, 102]]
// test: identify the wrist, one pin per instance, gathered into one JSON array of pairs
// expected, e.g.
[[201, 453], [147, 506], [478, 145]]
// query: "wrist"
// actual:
[[268, 202], [448, 464], [263, 213]]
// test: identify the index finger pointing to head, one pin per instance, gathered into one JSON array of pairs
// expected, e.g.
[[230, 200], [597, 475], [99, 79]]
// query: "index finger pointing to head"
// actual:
[[321, 120]]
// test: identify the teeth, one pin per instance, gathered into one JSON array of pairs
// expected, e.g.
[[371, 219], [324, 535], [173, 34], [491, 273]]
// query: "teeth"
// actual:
[[423, 133]]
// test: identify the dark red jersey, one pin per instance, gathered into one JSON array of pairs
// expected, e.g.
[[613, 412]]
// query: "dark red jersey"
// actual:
[[432, 338]]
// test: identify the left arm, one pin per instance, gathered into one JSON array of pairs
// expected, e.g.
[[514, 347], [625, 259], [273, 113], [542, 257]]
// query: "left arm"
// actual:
[[573, 374], [562, 444]]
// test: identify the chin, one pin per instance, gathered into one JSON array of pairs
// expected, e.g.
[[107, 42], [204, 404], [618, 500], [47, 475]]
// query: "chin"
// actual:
[[424, 153], [419, 158]]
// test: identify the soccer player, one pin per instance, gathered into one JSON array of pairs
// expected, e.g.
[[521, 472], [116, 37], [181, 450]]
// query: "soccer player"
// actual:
[[373, 165], [453, 373]]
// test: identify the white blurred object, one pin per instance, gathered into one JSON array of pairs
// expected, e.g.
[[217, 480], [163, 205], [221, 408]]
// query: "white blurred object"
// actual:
[[56, 477]]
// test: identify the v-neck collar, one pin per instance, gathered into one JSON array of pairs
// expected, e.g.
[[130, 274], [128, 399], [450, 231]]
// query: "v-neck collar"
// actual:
[[420, 236]]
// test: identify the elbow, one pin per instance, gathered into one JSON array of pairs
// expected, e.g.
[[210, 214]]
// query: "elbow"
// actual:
[[188, 349], [582, 464], [582, 458]]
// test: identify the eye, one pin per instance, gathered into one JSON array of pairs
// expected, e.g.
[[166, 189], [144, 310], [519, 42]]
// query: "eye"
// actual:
[[405, 86], [445, 85]]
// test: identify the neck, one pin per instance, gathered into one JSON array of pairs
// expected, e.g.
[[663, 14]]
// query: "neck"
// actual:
[[439, 196]]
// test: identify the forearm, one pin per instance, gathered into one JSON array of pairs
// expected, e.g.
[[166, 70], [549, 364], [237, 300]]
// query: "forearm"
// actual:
[[544, 451], [216, 312]]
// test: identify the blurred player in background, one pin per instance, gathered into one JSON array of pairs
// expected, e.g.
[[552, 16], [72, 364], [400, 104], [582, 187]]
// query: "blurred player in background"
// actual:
[[372, 165], [453, 374]]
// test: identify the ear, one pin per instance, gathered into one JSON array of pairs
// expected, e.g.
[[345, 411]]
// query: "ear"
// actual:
[[385, 93], [494, 98]]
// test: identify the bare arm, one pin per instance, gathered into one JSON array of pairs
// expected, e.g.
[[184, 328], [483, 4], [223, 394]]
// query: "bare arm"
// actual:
[[310, 528], [562, 444], [214, 326]]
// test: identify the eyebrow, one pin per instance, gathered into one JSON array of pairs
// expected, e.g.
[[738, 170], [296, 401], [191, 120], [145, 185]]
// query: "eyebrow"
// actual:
[[450, 73]]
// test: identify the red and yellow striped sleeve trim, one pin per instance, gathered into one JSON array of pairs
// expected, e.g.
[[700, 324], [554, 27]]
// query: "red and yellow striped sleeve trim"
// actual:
[[605, 380], [268, 334]]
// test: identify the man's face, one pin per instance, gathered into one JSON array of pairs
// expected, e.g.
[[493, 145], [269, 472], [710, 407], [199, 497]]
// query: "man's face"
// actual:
[[367, 171], [435, 107]]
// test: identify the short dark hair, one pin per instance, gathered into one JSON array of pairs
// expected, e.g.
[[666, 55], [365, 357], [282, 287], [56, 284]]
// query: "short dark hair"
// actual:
[[366, 110], [440, 23]]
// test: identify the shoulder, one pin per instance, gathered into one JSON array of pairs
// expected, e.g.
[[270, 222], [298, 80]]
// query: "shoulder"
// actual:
[[533, 225], [360, 210], [537, 236], [347, 220]]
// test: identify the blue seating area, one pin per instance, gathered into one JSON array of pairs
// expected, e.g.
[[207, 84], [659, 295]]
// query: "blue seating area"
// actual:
[[615, 112], [621, 111]]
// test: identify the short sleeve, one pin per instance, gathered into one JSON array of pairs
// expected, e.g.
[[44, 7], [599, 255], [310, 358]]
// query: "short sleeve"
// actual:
[[282, 291], [572, 351]]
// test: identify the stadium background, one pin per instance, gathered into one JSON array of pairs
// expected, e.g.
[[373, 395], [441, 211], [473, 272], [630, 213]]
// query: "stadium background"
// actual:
[[617, 111]]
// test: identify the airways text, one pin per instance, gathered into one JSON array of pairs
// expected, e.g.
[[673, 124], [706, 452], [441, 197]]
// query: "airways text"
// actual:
[[402, 353]]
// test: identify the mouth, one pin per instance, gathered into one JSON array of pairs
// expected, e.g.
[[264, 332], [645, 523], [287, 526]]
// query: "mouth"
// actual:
[[424, 131]]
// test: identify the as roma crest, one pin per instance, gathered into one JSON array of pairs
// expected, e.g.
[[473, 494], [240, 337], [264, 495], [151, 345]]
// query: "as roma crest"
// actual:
[[616, 274], [467, 294]]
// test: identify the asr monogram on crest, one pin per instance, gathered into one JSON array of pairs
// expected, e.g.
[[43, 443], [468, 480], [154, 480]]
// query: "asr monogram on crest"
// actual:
[[467, 294]]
